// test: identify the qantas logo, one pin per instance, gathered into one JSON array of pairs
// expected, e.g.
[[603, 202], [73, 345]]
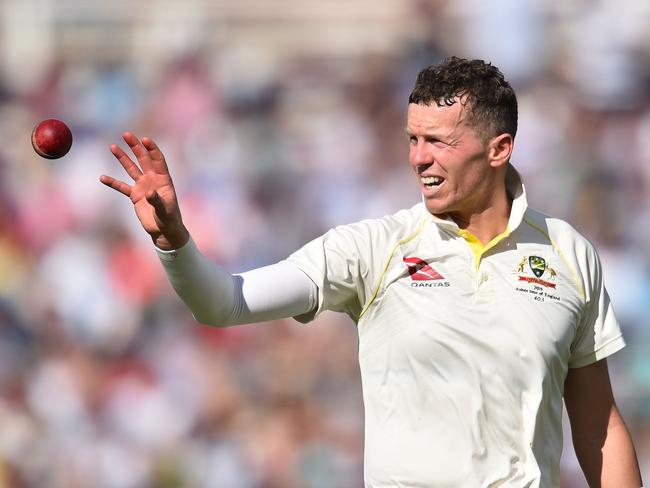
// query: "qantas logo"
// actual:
[[419, 271]]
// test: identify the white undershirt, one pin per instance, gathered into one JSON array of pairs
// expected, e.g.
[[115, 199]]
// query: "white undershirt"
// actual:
[[219, 298]]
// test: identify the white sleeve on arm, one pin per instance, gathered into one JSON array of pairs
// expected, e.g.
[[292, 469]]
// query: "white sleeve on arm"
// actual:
[[218, 298]]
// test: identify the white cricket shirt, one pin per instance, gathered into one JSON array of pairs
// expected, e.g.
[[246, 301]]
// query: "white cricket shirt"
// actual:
[[464, 349]]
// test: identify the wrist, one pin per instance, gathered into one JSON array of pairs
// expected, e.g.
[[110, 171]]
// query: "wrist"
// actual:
[[170, 241]]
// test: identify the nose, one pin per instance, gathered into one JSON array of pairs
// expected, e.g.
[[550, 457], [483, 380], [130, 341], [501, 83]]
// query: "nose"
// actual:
[[421, 156]]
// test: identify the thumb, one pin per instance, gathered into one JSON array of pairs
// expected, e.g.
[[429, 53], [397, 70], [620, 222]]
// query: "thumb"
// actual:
[[156, 202]]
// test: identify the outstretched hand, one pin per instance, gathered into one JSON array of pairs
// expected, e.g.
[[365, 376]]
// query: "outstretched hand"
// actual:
[[152, 191]]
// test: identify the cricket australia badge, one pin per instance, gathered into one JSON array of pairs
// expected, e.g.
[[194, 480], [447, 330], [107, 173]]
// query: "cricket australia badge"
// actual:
[[537, 278]]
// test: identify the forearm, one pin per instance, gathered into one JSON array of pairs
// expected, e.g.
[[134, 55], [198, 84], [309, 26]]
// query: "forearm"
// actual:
[[620, 465], [218, 298], [608, 458]]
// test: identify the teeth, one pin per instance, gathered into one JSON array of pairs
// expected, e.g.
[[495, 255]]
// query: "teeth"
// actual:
[[431, 180]]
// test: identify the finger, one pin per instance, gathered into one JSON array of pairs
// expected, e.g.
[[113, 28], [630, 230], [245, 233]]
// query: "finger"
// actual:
[[157, 158], [118, 185], [139, 150], [129, 166]]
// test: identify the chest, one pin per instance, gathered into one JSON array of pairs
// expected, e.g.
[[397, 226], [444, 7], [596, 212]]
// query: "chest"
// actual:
[[520, 301]]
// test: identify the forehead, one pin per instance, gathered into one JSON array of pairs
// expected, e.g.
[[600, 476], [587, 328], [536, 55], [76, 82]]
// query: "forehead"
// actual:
[[434, 118]]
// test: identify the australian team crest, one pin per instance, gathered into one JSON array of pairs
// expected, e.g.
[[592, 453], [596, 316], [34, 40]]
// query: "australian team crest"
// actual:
[[538, 266]]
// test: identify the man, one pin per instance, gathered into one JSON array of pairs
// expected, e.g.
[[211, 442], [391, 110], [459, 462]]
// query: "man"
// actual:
[[467, 341]]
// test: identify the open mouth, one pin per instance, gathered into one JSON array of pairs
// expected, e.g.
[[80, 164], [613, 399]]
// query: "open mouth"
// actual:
[[431, 181]]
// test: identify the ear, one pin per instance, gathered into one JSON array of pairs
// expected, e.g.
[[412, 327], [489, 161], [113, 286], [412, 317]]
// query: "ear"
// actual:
[[500, 150]]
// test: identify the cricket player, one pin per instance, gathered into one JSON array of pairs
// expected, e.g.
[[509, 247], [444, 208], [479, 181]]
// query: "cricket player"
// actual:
[[477, 315]]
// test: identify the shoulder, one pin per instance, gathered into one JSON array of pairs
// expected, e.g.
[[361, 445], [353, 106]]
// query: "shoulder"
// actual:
[[353, 255], [364, 241], [574, 248], [394, 225], [559, 232], [387, 229]]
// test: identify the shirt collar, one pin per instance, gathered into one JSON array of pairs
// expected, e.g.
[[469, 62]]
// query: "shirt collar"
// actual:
[[516, 191]]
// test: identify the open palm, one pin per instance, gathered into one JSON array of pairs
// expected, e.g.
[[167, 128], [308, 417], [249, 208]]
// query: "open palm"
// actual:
[[152, 191]]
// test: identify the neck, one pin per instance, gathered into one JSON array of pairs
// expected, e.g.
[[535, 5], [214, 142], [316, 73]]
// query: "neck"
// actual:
[[489, 219]]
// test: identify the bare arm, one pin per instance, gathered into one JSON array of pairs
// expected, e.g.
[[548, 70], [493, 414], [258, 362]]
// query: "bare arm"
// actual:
[[601, 440]]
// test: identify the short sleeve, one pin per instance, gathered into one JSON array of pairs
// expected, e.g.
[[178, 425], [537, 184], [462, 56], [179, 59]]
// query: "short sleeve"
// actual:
[[598, 334], [334, 262]]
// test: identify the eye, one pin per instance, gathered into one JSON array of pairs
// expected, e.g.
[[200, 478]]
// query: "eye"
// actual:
[[413, 140], [436, 142]]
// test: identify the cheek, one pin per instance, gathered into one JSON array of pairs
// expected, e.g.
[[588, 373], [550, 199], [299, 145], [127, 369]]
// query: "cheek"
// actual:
[[470, 177]]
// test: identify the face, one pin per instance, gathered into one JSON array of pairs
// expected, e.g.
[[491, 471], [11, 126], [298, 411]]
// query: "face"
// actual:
[[450, 161]]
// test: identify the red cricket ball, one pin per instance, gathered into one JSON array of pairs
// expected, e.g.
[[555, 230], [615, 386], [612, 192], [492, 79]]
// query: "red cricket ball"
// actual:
[[51, 139]]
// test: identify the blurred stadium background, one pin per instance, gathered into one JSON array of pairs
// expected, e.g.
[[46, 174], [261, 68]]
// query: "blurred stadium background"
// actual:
[[279, 119]]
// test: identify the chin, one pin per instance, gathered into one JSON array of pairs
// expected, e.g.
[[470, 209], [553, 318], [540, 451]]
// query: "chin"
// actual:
[[436, 209]]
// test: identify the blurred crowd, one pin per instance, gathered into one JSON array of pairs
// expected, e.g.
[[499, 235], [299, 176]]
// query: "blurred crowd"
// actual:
[[106, 380]]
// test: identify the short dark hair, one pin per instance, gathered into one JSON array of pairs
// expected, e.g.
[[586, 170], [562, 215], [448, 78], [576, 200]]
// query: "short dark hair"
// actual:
[[490, 100]]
